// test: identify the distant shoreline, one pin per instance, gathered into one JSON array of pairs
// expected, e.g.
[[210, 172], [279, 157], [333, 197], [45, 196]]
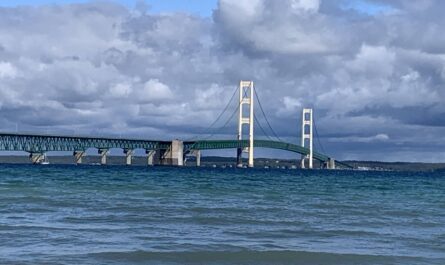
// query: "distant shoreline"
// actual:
[[230, 161]]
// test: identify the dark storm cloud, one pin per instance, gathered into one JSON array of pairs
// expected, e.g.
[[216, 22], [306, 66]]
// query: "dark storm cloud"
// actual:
[[374, 79]]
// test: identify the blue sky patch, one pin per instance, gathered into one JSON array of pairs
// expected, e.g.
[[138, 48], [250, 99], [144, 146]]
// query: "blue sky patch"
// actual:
[[367, 7], [198, 7]]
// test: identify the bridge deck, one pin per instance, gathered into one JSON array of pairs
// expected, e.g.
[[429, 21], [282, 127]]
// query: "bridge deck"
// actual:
[[45, 143], [35, 143], [230, 144]]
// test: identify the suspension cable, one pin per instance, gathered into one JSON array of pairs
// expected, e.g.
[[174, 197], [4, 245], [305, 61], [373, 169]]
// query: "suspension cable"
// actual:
[[318, 137], [261, 127], [225, 124], [206, 131], [265, 117], [231, 118]]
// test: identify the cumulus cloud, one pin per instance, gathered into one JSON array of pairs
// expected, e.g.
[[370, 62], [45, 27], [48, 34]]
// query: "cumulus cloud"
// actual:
[[290, 106], [7, 70], [285, 27], [98, 67], [307, 5], [154, 91], [121, 90]]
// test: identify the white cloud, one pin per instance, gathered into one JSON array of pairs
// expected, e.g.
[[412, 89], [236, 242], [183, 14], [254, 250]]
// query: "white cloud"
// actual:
[[154, 91], [241, 8], [374, 60], [121, 90], [411, 76], [381, 137], [290, 106], [210, 98], [307, 5], [362, 139], [279, 27], [7, 70]]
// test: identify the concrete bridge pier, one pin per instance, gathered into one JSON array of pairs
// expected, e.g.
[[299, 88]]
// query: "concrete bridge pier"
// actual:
[[174, 156], [198, 158], [331, 163], [36, 158], [103, 153], [78, 155], [128, 156], [150, 157], [197, 154], [161, 157]]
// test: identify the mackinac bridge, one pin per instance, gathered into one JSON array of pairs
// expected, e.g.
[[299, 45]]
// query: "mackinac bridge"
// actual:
[[174, 152]]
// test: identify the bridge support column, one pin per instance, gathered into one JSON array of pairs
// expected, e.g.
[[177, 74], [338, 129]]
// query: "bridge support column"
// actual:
[[78, 155], [197, 154], [150, 157], [239, 157], [331, 163], [198, 158], [246, 95], [128, 156], [36, 158], [306, 134], [162, 157], [174, 156], [103, 153]]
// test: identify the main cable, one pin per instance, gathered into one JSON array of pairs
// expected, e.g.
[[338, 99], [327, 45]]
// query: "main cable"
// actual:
[[225, 124], [265, 117], [261, 127], [220, 115], [318, 137]]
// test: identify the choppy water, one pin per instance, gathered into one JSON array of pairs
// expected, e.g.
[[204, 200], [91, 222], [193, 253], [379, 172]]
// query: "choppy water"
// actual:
[[119, 215]]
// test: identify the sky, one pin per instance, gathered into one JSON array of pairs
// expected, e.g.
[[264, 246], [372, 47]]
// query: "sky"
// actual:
[[373, 71], [198, 7]]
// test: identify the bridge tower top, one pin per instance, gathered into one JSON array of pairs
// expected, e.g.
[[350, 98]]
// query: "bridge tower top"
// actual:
[[307, 136], [246, 97]]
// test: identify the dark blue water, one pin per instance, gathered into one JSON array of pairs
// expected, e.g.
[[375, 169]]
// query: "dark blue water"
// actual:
[[119, 215]]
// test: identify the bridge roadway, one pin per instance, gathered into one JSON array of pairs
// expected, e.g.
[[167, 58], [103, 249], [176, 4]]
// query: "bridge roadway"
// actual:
[[159, 152]]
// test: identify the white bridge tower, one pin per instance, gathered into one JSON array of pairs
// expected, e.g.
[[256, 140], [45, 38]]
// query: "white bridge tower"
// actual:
[[246, 94], [307, 137]]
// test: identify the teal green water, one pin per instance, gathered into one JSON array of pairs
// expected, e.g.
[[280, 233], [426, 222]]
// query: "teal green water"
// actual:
[[119, 215]]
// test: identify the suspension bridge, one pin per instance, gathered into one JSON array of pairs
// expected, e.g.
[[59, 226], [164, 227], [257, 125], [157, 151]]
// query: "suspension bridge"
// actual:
[[175, 152]]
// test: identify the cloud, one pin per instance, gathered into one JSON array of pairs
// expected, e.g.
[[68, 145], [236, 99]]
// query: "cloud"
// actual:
[[283, 27], [307, 5], [368, 139], [121, 90], [153, 91], [7, 70], [290, 106], [372, 60], [97, 68]]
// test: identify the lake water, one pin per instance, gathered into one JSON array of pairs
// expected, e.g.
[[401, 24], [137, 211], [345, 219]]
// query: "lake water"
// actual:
[[140, 215]]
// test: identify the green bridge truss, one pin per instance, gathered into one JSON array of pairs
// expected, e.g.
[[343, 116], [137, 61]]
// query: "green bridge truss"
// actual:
[[232, 144], [45, 143]]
